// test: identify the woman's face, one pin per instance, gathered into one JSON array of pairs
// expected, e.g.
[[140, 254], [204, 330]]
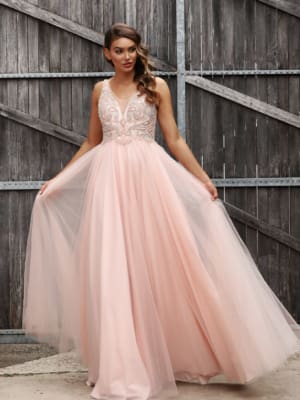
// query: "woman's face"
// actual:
[[123, 54]]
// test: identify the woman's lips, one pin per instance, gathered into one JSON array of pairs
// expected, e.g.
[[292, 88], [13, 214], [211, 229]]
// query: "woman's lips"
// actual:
[[127, 65]]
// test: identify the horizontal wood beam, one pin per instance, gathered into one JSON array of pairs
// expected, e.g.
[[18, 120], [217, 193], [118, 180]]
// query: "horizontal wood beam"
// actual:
[[100, 74], [70, 26], [263, 227], [234, 212], [40, 125], [227, 182], [244, 100], [284, 5]]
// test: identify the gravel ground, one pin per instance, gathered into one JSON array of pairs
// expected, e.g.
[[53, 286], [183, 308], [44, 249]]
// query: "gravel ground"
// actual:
[[62, 377], [11, 354]]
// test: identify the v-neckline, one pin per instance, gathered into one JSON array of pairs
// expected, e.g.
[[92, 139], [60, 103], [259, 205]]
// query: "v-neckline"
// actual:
[[118, 99]]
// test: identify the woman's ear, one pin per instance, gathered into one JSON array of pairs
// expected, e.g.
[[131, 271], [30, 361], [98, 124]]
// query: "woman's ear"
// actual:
[[106, 54]]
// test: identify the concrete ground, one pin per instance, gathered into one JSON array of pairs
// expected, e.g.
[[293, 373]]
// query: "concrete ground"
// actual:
[[62, 377]]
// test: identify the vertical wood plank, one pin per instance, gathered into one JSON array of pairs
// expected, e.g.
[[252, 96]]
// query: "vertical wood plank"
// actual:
[[250, 125], [12, 58], [54, 84], [5, 63], [108, 13], [227, 11], [87, 65], [22, 51], [262, 134], [97, 16], [238, 195], [77, 43], [33, 66], [294, 165], [207, 35], [4, 232], [130, 12], [3, 52], [118, 11], [171, 53]]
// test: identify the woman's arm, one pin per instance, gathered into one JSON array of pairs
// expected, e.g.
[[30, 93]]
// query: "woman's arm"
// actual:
[[174, 140], [94, 136]]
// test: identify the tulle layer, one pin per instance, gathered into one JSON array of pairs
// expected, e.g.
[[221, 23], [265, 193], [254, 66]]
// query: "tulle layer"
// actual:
[[131, 263]]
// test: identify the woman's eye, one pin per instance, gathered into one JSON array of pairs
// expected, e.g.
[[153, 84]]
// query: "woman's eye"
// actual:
[[131, 50]]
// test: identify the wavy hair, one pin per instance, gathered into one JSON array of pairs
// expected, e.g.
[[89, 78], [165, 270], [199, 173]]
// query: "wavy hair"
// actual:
[[143, 77]]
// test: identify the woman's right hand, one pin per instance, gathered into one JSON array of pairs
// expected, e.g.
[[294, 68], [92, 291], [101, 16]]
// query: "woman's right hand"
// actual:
[[45, 185]]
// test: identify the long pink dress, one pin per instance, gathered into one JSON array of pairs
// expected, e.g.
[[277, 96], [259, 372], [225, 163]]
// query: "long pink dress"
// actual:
[[131, 263]]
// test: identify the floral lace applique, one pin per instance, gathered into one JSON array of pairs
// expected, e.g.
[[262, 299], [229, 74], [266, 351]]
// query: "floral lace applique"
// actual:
[[136, 121]]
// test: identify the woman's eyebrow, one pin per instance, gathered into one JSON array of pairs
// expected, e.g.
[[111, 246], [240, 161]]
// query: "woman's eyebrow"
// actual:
[[118, 47]]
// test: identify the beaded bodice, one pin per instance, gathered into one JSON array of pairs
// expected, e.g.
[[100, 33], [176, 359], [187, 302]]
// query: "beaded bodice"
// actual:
[[123, 124]]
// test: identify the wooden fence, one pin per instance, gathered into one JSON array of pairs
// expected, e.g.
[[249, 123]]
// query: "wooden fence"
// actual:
[[242, 114]]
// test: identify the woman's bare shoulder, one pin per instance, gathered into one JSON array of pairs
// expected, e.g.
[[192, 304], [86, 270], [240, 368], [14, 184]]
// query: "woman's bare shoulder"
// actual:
[[161, 84], [162, 88], [97, 89]]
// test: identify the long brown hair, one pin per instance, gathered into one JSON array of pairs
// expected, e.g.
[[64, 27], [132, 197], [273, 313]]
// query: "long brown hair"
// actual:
[[143, 76]]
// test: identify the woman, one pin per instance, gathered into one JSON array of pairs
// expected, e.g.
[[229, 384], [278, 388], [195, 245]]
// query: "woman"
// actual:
[[133, 261]]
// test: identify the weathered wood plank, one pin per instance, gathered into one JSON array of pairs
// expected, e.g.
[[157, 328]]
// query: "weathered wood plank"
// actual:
[[3, 53], [33, 66], [272, 169], [237, 196], [97, 15], [265, 228], [54, 85], [43, 61], [217, 36], [54, 19], [40, 125], [4, 197], [77, 84], [250, 117], [22, 51], [19, 207], [130, 12], [290, 7], [119, 11], [294, 60], [207, 33], [66, 84], [54, 149], [262, 128], [4, 257], [87, 61], [244, 100], [227, 35], [171, 54], [4, 218], [70, 26], [12, 58]]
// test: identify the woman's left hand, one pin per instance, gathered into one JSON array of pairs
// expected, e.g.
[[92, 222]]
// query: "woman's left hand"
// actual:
[[212, 189]]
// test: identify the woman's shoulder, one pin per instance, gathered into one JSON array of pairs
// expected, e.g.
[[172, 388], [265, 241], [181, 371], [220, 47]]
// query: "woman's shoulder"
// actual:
[[98, 86], [162, 88], [96, 92], [161, 85], [160, 82]]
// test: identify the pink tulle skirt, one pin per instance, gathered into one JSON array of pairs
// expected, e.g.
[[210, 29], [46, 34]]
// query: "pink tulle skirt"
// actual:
[[131, 263]]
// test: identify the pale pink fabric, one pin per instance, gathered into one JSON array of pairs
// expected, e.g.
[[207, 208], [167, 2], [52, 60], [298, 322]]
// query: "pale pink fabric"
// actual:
[[131, 263]]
